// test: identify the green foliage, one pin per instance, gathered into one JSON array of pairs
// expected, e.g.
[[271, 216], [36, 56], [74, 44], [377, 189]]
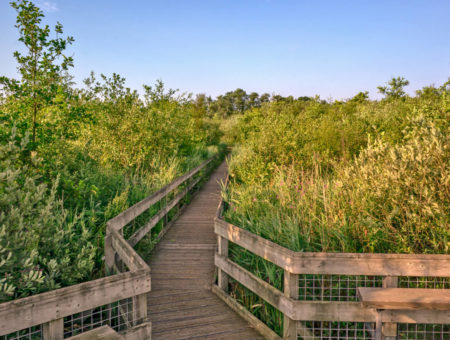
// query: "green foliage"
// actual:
[[351, 176], [394, 88], [95, 152], [390, 199], [41, 72], [42, 245]]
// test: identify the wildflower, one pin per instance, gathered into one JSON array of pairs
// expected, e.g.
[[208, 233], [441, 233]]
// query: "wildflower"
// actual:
[[254, 199]]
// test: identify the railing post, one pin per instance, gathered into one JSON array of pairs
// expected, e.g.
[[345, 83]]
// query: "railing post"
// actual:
[[53, 330], [139, 309], [110, 254], [389, 329], [222, 279], [291, 291]]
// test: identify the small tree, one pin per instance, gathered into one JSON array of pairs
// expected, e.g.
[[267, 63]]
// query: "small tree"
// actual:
[[394, 88], [42, 66], [361, 97]]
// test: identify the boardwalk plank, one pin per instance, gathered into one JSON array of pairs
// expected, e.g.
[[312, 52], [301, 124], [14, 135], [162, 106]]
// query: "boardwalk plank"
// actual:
[[181, 304]]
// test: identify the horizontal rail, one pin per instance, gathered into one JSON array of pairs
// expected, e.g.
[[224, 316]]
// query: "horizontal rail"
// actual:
[[323, 310], [335, 263], [49, 309], [255, 284], [134, 211], [384, 269], [139, 234], [126, 252], [56, 304]]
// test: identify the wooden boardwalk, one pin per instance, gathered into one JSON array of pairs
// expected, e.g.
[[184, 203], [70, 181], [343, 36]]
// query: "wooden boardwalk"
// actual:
[[181, 304]]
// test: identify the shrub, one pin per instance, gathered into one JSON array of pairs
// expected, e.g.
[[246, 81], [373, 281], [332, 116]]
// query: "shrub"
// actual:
[[42, 245]]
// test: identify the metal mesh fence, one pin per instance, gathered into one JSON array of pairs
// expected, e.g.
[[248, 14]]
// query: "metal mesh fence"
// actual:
[[32, 333], [344, 288], [424, 282], [423, 331], [118, 315], [335, 330], [334, 287]]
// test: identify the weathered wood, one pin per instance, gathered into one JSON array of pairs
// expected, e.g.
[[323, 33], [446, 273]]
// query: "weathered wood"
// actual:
[[336, 263], [181, 304], [56, 304], [140, 308], [110, 254], [324, 310], [100, 333], [416, 316], [405, 298], [389, 329], [256, 285], [345, 311], [378, 327], [260, 326], [53, 330], [139, 234], [134, 211], [139, 332], [126, 253], [335, 311], [222, 245], [290, 291]]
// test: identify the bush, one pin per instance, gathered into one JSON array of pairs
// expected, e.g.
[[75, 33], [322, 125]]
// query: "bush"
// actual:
[[42, 245]]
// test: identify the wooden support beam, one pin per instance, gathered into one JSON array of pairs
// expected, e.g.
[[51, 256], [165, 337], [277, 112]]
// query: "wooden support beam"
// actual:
[[389, 329], [222, 277], [290, 291], [53, 330]]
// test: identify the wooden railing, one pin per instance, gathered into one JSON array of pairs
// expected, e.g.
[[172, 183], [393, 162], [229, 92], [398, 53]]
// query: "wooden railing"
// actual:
[[320, 289], [55, 314]]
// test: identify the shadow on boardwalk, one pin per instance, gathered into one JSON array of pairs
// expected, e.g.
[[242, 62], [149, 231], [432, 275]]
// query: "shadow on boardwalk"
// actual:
[[181, 304]]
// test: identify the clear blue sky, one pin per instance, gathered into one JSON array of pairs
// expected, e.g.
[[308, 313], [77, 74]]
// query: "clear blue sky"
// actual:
[[330, 48]]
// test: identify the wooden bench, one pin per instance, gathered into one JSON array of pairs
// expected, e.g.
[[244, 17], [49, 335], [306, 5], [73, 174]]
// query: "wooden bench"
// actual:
[[402, 299], [100, 333], [405, 298]]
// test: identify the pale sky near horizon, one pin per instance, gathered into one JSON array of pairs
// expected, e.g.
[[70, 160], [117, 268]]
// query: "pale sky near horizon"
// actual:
[[301, 48]]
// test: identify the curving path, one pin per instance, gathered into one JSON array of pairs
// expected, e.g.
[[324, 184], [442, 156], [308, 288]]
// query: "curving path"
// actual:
[[181, 304]]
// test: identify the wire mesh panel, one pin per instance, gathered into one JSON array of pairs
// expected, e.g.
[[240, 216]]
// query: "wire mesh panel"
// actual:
[[335, 330], [32, 333], [424, 282], [118, 315], [334, 287], [423, 331]]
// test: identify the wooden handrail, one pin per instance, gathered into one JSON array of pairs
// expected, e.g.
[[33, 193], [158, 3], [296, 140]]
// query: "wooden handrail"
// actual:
[[435, 265], [388, 266], [139, 234], [49, 309], [45, 307], [137, 209]]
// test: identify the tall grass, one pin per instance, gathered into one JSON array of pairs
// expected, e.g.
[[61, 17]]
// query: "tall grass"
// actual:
[[340, 177], [390, 199]]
